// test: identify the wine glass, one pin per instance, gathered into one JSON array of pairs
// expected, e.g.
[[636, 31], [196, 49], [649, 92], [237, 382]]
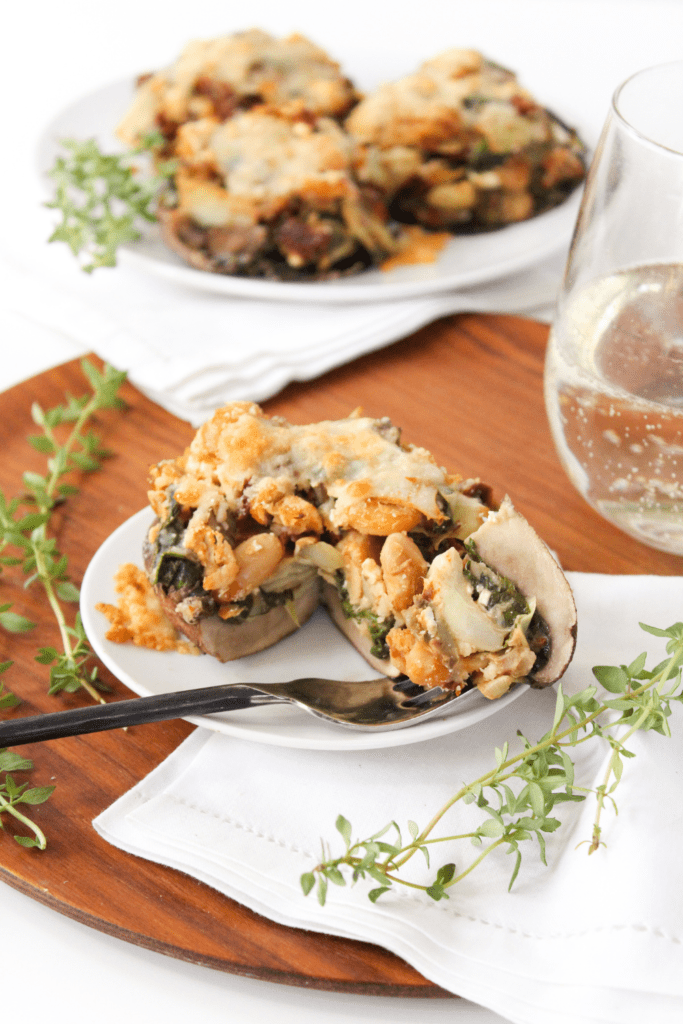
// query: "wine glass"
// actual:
[[614, 364]]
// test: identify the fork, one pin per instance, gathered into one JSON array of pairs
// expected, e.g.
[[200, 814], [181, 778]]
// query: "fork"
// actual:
[[373, 704]]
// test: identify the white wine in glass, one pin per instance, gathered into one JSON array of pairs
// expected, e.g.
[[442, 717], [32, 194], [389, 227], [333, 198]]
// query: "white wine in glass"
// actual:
[[614, 365]]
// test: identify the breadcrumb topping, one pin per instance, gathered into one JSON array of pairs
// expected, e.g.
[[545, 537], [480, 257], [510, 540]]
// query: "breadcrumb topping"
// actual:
[[240, 454], [138, 617]]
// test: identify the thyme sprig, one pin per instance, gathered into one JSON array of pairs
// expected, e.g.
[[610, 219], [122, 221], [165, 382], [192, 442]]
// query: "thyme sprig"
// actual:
[[26, 532], [103, 199], [36, 552], [12, 794], [519, 794]]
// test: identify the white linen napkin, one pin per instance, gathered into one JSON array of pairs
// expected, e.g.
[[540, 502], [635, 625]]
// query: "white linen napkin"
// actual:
[[589, 939], [192, 351]]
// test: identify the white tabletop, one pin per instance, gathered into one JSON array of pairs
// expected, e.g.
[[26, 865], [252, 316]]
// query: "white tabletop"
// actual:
[[570, 52]]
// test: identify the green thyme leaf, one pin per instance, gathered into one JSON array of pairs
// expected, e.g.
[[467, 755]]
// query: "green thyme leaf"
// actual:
[[437, 892], [307, 882], [7, 698], [612, 677], [28, 841], [38, 795], [344, 828], [67, 591], [11, 762], [445, 874], [14, 623]]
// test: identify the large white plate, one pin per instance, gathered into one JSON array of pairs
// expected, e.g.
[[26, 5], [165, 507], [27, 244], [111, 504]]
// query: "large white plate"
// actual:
[[318, 649], [467, 260]]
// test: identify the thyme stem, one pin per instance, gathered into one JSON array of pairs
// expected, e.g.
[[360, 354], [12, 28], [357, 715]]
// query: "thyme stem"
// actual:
[[66, 450], [40, 840], [69, 652]]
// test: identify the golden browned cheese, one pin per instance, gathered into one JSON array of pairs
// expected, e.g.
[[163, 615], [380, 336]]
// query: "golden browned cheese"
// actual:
[[211, 77], [240, 456], [251, 167], [432, 108]]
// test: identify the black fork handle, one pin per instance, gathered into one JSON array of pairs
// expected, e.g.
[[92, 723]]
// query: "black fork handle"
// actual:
[[159, 708]]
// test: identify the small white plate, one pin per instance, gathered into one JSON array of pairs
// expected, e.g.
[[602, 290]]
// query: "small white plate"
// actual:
[[317, 649], [467, 260]]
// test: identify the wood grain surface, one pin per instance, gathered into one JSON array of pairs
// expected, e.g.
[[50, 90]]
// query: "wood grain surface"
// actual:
[[469, 389]]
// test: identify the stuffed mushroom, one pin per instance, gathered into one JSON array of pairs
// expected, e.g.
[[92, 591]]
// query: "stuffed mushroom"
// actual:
[[460, 145], [271, 195], [260, 521]]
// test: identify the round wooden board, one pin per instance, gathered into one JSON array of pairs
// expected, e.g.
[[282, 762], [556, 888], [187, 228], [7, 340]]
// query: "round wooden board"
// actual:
[[469, 389]]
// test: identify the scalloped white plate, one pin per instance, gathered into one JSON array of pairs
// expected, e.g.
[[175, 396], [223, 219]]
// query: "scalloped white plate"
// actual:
[[467, 260], [318, 649]]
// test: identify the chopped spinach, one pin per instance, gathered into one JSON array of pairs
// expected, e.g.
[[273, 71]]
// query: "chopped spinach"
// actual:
[[245, 607], [275, 598], [377, 628], [504, 595], [447, 522], [258, 603], [174, 567], [509, 602], [172, 529], [175, 570], [475, 101]]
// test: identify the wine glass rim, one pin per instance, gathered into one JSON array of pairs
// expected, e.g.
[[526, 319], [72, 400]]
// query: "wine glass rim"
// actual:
[[616, 96]]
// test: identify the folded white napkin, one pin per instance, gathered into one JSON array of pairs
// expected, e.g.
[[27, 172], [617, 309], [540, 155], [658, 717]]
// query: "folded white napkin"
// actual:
[[192, 351], [585, 939]]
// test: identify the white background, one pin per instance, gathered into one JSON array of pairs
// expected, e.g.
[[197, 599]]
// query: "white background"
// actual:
[[571, 53]]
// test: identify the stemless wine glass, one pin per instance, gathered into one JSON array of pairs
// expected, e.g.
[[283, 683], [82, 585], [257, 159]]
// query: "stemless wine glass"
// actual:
[[614, 366]]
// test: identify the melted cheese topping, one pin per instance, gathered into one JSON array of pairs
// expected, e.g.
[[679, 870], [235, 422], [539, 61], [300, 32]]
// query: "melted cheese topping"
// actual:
[[267, 158], [293, 73], [240, 454], [263, 160], [447, 100], [352, 482]]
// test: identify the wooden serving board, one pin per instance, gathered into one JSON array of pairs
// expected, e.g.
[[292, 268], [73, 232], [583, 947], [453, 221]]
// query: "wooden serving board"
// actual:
[[469, 389]]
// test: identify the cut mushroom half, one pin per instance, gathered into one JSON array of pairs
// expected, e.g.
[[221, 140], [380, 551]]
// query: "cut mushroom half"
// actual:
[[510, 545], [499, 613]]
